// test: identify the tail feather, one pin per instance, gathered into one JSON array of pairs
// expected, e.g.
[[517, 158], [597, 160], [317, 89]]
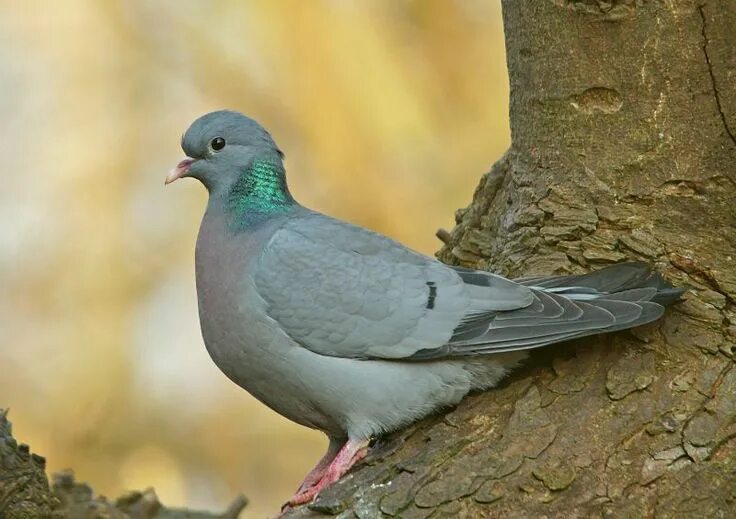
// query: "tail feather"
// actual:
[[632, 294], [568, 307], [668, 296], [643, 292], [650, 312], [610, 283], [563, 308], [624, 312]]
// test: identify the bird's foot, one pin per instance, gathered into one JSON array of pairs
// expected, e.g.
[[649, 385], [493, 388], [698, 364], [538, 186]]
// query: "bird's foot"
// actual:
[[314, 476], [352, 452]]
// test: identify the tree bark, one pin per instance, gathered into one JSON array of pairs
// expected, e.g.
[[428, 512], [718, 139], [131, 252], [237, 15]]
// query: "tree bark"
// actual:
[[623, 118]]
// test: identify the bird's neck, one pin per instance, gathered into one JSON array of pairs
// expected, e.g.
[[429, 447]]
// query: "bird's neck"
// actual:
[[259, 193]]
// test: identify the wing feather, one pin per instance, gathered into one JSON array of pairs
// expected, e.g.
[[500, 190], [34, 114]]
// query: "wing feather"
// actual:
[[340, 290]]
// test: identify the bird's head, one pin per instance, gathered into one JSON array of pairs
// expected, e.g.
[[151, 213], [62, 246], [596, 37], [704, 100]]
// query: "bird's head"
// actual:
[[226, 147]]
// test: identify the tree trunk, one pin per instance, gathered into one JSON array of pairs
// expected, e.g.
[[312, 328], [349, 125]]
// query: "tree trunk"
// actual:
[[623, 117]]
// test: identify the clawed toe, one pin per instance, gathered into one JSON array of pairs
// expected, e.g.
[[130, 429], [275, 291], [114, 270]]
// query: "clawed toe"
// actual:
[[350, 453]]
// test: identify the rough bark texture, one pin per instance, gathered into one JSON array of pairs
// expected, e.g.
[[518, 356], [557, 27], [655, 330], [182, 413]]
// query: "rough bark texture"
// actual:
[[623, 117]]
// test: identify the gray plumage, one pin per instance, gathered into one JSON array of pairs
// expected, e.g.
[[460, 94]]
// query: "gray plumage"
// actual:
[[345, 330]]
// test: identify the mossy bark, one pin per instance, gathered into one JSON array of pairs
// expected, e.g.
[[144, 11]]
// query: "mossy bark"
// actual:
[[623, 116]]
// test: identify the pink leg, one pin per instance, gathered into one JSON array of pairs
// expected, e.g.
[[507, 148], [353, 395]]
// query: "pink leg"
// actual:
[[350, 453], [318, 471]]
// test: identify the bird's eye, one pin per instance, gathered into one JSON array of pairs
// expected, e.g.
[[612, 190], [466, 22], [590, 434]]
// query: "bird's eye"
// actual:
[[217, 143]]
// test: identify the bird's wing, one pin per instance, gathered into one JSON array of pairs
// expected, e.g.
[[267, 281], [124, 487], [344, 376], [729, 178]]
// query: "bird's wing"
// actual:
[[344, 291]]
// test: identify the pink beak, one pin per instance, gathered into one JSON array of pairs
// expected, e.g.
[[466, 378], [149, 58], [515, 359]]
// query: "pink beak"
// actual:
[[179, 171]]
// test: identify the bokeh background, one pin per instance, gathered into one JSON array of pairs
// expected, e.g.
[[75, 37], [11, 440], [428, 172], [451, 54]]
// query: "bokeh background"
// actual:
[[388, 112]]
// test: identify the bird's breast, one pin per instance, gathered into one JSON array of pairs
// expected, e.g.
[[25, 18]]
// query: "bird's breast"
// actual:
[[228, 310], [239, 336]]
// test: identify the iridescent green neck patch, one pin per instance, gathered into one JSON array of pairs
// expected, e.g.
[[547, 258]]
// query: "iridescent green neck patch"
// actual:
[[259, 192]]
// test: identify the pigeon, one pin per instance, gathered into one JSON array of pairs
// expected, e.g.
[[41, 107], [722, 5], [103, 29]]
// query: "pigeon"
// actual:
[[347, 331]]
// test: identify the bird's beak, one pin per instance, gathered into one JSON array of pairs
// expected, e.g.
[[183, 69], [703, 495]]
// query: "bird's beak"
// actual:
[[179, 170]]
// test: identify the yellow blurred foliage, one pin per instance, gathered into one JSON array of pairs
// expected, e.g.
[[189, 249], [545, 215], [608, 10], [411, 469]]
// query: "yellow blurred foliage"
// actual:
[[388, 112]]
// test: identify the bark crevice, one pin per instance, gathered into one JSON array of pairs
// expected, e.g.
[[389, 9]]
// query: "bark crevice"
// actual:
[[716, 95]]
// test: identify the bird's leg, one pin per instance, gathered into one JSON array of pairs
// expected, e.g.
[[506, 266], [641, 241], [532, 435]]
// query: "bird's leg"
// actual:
[[318, 471], [352, 452]]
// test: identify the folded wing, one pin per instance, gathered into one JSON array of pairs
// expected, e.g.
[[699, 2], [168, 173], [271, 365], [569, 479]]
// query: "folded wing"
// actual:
[[341, 290]]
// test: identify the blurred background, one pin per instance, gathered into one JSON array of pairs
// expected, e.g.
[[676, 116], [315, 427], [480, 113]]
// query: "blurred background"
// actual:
[[388, 112]]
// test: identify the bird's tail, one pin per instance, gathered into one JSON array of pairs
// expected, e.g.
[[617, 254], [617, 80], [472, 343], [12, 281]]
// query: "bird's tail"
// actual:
[[631, 282]]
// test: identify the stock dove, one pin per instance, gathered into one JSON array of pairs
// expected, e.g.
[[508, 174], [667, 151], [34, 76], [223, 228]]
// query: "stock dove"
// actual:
[[347, 331]]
